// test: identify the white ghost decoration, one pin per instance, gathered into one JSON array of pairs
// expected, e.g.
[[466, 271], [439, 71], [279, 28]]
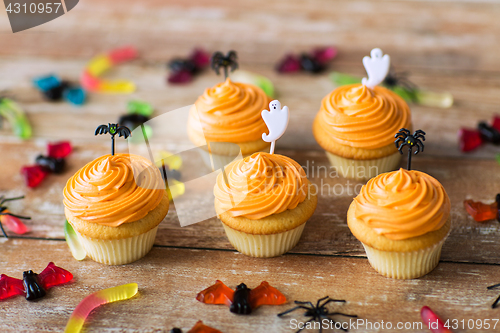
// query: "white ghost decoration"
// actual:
[[377, 68], [276, 120]]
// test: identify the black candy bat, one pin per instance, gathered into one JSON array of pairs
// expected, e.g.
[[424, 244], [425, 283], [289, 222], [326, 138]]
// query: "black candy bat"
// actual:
[[33, 286]]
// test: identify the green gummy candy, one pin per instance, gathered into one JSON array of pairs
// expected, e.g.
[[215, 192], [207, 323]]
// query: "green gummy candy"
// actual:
[[138, 107]]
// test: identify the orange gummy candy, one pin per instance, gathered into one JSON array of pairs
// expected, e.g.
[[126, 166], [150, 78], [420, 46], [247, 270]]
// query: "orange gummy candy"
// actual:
[[481, 212]]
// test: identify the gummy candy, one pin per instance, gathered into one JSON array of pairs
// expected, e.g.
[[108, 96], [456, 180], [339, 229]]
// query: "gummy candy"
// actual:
[[182, 76], [488, 133], [97, 66], [74, 244], [33, 175], [257, 80], [496, 122], [325, 54], [481, 212], [47, 82], [138, 107], [132, 120], [314, 62], [50, 164], [435, 324], [289, 64], [59, 149], [199, 327], [183, 70], [13, 224], [310, 64], [96, 299], [75, 96], [469, 139], [16, 117], [56, 93]]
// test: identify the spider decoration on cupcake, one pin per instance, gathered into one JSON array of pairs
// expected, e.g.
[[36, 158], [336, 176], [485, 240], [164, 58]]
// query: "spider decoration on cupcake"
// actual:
[[10, 220], [113, 129], [228, 62], [405, 138], [318, 312]]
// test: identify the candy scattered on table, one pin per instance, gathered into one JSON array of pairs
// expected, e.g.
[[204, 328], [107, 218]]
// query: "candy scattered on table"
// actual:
[[53, 163], [16, 117], [242, 300], [199, 327], [73, 242], [11, 221], [483, 212], [470, 139], [96, 299], [401, 85], [433, 322], [91, 77], [34, 286], [318, 312], [54, 89], [183, 70], [314, 62]]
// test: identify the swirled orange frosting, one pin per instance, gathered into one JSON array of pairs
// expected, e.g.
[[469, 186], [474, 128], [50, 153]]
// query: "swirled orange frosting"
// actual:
[[105, 191], [402, 204], [261, 185], [231, 112], [360, 117]]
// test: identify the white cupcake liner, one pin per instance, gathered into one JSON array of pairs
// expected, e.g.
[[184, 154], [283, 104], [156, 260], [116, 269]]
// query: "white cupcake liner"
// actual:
[[264, 246], [364, 169], [404, 265], [118, 251]]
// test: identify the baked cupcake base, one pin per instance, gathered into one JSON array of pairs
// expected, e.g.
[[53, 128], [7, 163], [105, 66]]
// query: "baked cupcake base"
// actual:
[[270, 236], [264, 246], [404, 265], [363, 169], [118, 251]]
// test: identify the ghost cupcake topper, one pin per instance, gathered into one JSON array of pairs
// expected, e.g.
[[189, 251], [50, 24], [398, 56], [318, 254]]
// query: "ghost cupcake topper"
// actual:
[[377, 68], [276, 120]]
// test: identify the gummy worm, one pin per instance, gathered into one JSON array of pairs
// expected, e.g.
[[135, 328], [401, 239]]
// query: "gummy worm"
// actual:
[[432, 321], [92, 301]]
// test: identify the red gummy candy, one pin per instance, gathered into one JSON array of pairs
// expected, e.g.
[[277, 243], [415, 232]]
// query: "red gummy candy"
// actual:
[[469, 139], [122, 54], [59, 149], [324, 54], [496, 122], [435, 324], [200, 58], [202, 328], [182, 76], [289, 64], [33, 174], [481, 212], [14, 224]]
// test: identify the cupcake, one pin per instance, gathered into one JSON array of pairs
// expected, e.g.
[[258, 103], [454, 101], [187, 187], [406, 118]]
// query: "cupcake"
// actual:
[[402, 218], [263, 202], [356, 125], [226, 119], [115, 204]]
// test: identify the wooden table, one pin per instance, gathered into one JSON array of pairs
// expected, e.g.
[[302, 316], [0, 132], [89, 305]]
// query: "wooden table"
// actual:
[[446, 46]]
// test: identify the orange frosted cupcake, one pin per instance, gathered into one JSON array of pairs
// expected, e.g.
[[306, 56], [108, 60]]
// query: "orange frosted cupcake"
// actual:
[[356, 127], [264, 202], [402, 218], [226, 119], [115, 216]]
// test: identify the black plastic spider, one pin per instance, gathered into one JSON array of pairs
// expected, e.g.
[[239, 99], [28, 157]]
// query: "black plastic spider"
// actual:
[[318, 312], [4, 211], [404, 138], [400, 79], [228, 62]]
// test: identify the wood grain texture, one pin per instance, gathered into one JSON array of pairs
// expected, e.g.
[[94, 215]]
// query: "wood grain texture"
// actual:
[[325, 233], [170, 278]]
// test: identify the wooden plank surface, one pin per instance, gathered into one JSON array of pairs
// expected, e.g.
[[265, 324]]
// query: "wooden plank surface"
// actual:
[[446, 46], [167, 294]]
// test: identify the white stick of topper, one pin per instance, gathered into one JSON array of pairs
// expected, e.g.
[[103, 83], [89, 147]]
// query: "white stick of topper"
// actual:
[[377, 68], [276, 121]]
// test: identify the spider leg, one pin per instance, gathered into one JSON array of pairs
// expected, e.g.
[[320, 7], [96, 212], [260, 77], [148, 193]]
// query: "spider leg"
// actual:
[[398, 141], [304, 303], [321, 300], [3, 231], [418, 132], [405, 131], [399, 135], [495, 303], [418, 149], [401, 147], [494, 286], [420, 145], [18, 216], [300, 329], [292, 309], [333, 300], [9, 199]]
